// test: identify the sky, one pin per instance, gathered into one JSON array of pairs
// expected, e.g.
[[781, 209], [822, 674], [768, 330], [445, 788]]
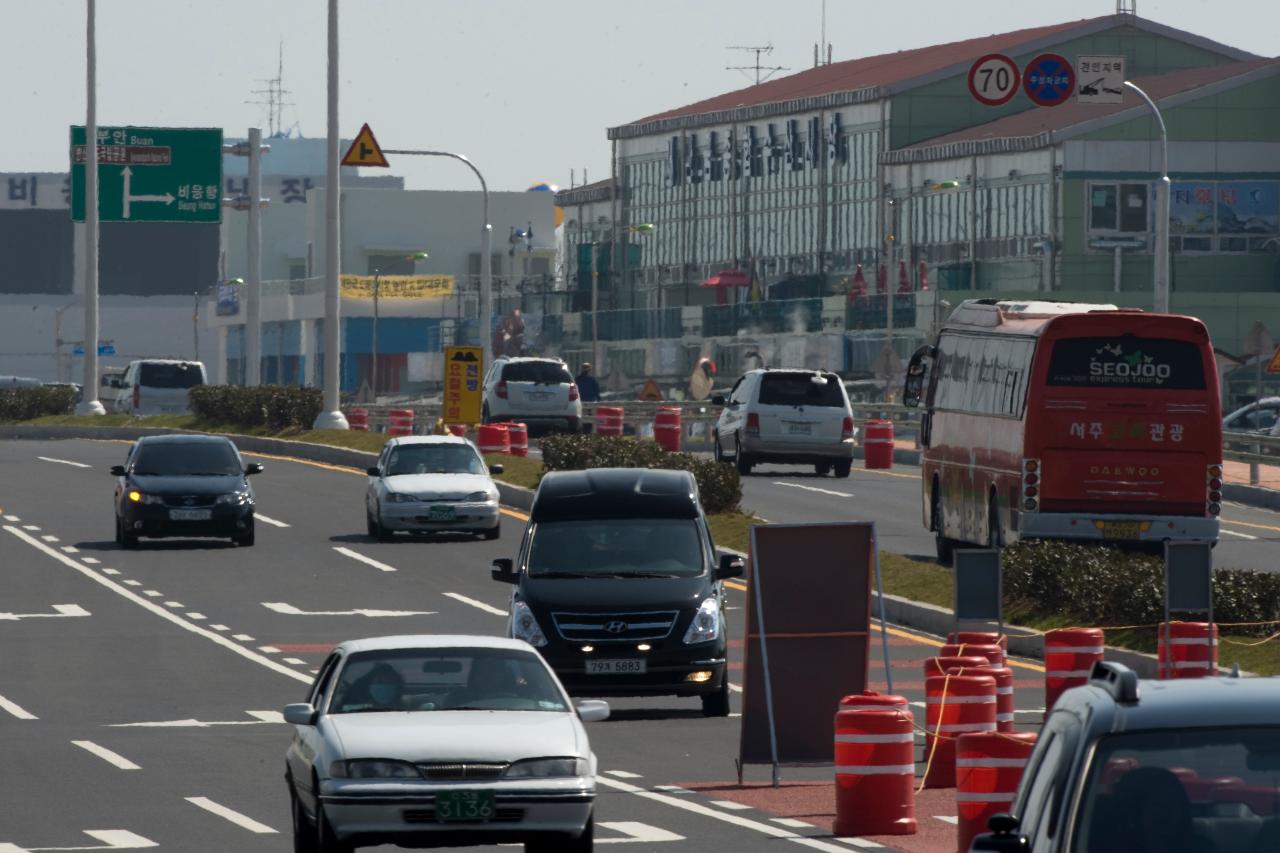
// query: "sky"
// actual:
[[525, 89]]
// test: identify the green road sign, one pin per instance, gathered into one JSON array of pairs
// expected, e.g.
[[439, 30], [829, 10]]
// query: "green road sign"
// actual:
[[151, 174]]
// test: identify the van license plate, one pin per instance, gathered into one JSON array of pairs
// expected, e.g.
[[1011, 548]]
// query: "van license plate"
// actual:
[[190, 514], [626, 666], [799, 429], [1120, 530]]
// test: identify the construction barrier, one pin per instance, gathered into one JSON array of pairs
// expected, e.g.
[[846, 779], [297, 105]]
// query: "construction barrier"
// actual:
[[939, 665], [609, 420], [1005, 709], [519, 433], [869, 700], [954, 705], [358, 419], [1069, 656], [875, 771], [1187, 649], [460, 430], [877, 444], [980, 638], [992, 652], [667, 427], [988, 769], [493, 438], [400, 422]]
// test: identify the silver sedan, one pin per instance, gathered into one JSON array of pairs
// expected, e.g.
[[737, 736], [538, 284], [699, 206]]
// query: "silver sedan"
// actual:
[[432, 483]]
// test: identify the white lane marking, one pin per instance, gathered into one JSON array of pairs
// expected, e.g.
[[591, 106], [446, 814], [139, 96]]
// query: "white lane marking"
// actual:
[[244, 638], [128, 582], [290, 610], [111, 571], [1234, 533], [635, 831], [30, 527], [813, 489], [115, 839], [63, 462], [947, 818], [16, 710], [227, 814], [269, 650], [49, 537], [478, 605], [736, 688], [91, 561], [70, 610], [176, 605], [12, 518], [260, 718], [791, 822], [267, 716], [106, 755], [199, 630], [274, 523], [199, 617], [862, 842], [59, 610], [368, 561], [724, 817], [152, 593], [70, 549], [672, 789], [624, 774], [295, 661], [220, 627], [731, 805]]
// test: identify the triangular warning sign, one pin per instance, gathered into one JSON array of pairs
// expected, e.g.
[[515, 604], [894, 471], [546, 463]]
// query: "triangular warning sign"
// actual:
[[1273, 366], [651, 392], [364, 150]]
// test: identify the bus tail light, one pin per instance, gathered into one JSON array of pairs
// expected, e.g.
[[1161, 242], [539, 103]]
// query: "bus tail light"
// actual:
[[753, 424], [1031, 485], [1213, 490]]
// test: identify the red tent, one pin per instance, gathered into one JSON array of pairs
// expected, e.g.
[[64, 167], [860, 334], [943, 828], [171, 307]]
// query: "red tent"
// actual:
[[924, 276], [858, 286], [725, 279], [904, 280]]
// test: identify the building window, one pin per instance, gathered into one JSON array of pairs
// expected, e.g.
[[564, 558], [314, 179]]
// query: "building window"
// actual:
[[1118, 208]]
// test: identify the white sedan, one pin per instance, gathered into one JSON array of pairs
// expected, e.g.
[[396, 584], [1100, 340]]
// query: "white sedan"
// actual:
[[437, 741], [431, 483]]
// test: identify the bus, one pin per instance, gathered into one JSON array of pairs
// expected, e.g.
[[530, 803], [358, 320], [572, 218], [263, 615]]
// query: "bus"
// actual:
[[1052, 420]]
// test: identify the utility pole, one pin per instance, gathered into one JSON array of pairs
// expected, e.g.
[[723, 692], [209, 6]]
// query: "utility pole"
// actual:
[[253, 202], [89, 403], [331, 416], [758, 50], [373, 347], [195, 326]]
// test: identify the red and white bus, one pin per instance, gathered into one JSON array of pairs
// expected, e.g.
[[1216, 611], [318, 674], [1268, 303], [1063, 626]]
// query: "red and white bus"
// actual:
[[1068, 421]]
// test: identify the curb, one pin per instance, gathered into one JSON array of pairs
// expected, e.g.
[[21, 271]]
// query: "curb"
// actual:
[[1251, 495]]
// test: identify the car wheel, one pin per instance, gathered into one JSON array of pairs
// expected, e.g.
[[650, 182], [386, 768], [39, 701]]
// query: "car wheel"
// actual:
[[128, 540], [744, 462], [584, 843], [822, 469], [326, 841], [717, 704], [304, 834], [843, 468], [945, 547], [370, 526], [119, 531], [719, 454], [494, 533]]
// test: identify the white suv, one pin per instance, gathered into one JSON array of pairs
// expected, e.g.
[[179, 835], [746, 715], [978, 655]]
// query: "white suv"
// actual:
[[799, 417], [157, 386], [537, 391]]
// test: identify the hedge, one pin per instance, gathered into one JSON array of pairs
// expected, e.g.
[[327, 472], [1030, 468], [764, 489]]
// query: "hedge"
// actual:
[[719, 486], [23, 404], [1108, 586], [276, 406]]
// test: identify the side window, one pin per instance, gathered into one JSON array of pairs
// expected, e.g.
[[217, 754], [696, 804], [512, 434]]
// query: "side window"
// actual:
[[738, 394], [322, 680], [1041, 810]]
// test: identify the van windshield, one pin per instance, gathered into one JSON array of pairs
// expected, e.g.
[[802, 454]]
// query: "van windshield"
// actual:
[[538, 372], [617, 547], [164, 375], [801, 389]]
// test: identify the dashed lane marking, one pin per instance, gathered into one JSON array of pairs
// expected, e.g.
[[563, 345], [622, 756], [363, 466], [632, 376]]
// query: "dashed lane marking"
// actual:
[[267, 520], [112, 758], [235, 817], [49, 537], [269, 650], [1238, 534], [295, 661], [111, 571], [672, 789], [947, 818], [152, 593], [244, 638], [220, 627], [812, 489], [31, 527], [368, 561], [478, 605], [63, 462], [91, 561], [199, 617], [129, 582], [731, 805], [12, 518], [176, 605], [70, 549], [16, 710], [791, 822], [287, 609], [623, 774]]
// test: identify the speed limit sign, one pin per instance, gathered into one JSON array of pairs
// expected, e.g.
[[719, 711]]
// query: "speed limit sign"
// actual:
[[993, 79]]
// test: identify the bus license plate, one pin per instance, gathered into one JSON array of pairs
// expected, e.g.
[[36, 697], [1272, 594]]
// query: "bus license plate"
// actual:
[[473, 806], [626, 666], [1120, 530]]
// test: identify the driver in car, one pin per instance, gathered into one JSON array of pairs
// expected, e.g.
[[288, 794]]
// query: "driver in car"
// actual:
[[490, 678]]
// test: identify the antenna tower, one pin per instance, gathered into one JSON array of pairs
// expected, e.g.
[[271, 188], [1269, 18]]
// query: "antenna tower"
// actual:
[[825, 47], [274, 99], [1126, 7], [759, 51]]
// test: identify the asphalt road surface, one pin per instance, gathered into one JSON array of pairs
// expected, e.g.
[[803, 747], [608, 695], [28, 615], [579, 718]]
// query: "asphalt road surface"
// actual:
[[140, 691]]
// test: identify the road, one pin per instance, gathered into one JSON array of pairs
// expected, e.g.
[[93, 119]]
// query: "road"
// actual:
[[141, 690]]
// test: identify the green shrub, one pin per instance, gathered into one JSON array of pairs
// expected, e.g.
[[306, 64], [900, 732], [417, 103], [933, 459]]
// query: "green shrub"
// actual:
[[718, 483], [276, 406], [1101, 585], [23, 404]]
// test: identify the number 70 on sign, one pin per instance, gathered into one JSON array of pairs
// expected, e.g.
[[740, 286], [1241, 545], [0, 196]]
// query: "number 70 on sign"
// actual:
[[994, 79]]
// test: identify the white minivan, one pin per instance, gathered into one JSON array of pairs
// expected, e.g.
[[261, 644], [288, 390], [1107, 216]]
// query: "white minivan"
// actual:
[[157, 386]]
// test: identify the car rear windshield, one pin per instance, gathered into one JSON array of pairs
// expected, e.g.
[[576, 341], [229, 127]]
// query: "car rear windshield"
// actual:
[[186, 458], [1127, 361], [157, 375], [538, 372], [616, 547], [801, 389], [1180, 790], [434, 459]]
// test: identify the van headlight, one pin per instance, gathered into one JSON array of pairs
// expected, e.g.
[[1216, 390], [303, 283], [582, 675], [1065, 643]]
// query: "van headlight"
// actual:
[[706, 622], [524, 625]]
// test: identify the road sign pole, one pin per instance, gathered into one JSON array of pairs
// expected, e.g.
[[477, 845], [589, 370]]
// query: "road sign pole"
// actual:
[[331, 417], [89, 404], [1160, 286], [253, 290]]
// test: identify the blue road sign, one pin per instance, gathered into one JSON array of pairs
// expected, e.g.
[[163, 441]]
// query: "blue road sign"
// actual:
[[1049, 80], [103, 349]]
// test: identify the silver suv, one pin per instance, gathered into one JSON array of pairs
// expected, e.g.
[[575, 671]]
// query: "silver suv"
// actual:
[[537, 391], [799, 417]]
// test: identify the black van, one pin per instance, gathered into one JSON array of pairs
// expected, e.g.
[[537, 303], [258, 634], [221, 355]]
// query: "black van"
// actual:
[[618, 586]]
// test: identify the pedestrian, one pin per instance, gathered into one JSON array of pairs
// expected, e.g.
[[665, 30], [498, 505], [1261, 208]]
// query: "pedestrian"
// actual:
[[588, 387]]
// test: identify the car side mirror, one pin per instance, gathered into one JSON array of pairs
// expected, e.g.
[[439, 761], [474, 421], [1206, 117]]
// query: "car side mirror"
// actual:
[[1003, 838], [496, 469], [253, 468], [117, 471], [503, 571], [593, 710], [717, 400], [300, 714], [731, 566], [373, 472]]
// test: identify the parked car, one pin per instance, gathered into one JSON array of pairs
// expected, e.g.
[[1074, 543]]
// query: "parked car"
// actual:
[[1127, 765], [537, 391], [1261, 416], [157, 386], [431, 483], [10, 381], [617, 585], [184, 485], [799, 417], [440, 741]]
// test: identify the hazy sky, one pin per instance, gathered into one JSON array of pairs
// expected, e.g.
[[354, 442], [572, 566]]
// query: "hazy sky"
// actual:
[[525, 88]]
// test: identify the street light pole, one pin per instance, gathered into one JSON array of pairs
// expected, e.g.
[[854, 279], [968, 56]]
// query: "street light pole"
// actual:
[[253, 300], [331, 416], [1160, 286], [374, 344], [89, 403], [595, 304]]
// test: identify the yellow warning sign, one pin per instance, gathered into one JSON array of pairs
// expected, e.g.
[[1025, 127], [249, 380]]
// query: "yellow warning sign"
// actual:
[[1273, 366], [364, 150], [463, 367]]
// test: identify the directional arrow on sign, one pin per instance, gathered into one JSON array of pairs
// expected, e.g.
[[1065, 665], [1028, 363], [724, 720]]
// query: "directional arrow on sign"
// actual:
[[290, 610], [129, 198], [61, 610]]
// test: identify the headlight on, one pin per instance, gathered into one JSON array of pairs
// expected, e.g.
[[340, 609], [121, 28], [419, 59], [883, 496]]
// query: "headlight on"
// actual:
[[524, 625], [706, 622], [546, 768], [373, 768], [138, 497], [234, 498]]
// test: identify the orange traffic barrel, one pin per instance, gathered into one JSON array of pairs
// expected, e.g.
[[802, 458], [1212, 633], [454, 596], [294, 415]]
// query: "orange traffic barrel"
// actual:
[[667, 427], [1187, 649], [869, 700], [940, 665], [980, 638], [875, 772], [954, 705], [877, 444], [1069, 656], [609, 420], [400, 422], [1004, 697], [493, 438], [991, 651], [358, 419], [519, 433], [988, 769], [460, 430]]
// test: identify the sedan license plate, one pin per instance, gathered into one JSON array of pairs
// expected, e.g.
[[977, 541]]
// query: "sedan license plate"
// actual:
[[624, 666], [190, 514], [799, 429], [1120, 529], [442, 513], [466, 806]]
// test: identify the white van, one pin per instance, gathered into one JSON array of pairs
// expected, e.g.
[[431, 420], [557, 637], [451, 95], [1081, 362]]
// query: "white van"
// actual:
[[157, 386]]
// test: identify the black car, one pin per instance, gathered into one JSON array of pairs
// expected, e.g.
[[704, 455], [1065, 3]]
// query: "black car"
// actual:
[[184, 485], [618, 586]]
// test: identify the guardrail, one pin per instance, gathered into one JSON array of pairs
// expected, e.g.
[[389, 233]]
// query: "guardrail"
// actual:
[[1252, 449]]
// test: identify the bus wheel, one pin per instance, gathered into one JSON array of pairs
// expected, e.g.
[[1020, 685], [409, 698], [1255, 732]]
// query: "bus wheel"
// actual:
[[994, 537], [944, 546]]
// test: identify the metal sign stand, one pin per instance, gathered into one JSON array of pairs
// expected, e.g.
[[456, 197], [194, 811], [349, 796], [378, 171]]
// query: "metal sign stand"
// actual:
[[884, 629], [979, 586], [1188, 586]]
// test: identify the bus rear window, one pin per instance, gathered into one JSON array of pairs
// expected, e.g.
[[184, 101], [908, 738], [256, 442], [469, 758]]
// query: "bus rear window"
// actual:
[[1126, 361]]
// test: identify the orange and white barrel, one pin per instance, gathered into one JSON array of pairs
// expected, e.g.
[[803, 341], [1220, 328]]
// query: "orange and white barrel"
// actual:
[[609, 420], [877, 444], [667, 426], [875, 772], [400, 422], [988, 770], [940, 665], [1187, 649], [1069, 656], [358, 419], [993, 652], [493, 438], [460, 430], [954, 705], [519, 433]]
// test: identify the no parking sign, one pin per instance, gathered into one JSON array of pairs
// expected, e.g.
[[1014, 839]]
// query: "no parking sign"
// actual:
[[1049, 80]]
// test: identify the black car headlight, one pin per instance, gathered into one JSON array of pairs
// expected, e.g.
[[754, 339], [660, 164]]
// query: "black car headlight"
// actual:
[[373, 768], [547, 768], [234, 498]]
